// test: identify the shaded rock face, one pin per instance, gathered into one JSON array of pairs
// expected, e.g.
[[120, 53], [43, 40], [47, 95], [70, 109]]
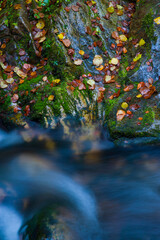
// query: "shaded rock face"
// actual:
[[147, 10], [75, 25], [143, 121]]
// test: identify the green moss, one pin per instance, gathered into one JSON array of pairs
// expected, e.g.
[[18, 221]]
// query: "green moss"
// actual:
[[148, 118], [148, 25], [5, 102]]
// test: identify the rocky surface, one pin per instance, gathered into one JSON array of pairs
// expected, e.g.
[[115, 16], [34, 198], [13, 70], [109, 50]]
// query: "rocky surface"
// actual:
[[66, 89]]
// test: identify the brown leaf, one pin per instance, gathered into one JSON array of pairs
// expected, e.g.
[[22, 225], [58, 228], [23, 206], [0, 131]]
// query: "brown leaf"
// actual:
[[128, 88], [134, 106], [22, 52], [71, 51], [150, 80], [115, 35], [66, 42], [88, 30], [81, 86], [75, 8], [15, 98], [67, 9], [141, 84]]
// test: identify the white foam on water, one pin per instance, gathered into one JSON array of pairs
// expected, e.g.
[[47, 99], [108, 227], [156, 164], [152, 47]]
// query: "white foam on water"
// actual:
[[10, 223]]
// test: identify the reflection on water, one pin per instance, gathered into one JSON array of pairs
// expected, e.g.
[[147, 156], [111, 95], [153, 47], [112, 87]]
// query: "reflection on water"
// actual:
[[104, 192]]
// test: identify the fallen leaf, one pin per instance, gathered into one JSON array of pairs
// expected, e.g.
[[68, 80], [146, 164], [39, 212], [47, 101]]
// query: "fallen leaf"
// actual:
[[124, 105], [139, 96], [98, 60], [40, 24], [66, 42], [81, 86], [107, 79], [10, 80], [137, 57], [128, 88], [22, 52], [44, 78], [75, 8], [28, 1], [115, 35], [42, 39], [123, 38], [15, 98], [67, 9], [81, 52], [141, 42], [56, 81], [71, 51], [61, 36], [120, 115], [78, 62], [134, 106], [91, 82], [157, 20], [3, 84], [100, 68], [114, 61], [19, 72], [88, 30], [17, 6], [50, 98], [141, 84], [110, 9]]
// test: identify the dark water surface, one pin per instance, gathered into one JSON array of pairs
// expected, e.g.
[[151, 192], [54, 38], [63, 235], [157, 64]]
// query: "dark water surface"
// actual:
[[105, 192]]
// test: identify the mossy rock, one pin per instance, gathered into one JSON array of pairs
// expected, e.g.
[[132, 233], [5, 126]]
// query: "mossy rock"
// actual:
[[145, 121], [47, 224]]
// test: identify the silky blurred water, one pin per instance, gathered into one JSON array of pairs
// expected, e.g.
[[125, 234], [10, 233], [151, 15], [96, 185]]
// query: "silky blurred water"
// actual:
[[112, 192]]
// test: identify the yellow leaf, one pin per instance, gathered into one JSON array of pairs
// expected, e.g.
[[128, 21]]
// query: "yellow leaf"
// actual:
[[123, 38], [81, 52], [100, 68], [139, 96], [93, 2], [124, 105], [40, 24], [61, 36], [28, 1], [51, 97], [119, 7], [157, 20], [56, 80], [141, 42], [137, 57], [110, 9], [17, 6]]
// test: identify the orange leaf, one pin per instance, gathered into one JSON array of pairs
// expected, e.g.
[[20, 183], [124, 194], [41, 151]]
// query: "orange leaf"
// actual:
[[120, 115]]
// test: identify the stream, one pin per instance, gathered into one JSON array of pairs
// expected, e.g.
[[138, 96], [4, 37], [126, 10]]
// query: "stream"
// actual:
[[103, 191]]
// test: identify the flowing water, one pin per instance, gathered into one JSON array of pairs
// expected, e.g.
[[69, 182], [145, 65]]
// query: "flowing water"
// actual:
[[103, 191]]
